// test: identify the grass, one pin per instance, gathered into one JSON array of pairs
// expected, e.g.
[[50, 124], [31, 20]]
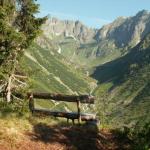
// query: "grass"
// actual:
[[46, 133], [85, 55], [125, 83], [52, 73], [58, 74]]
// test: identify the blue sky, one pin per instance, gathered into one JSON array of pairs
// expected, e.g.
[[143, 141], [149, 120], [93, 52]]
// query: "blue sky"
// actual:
[[93, 13]]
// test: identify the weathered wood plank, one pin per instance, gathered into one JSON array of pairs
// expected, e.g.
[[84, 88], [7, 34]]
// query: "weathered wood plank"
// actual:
[[61, 97], [68, 115], [79, 111]]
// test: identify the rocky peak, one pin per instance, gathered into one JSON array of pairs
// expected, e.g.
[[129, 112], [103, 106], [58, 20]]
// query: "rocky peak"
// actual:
[[107, 30], [126, 31], [142, 13], [75, 29]]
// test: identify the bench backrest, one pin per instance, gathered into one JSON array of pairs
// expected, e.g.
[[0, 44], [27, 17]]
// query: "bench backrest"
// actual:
[[60, 97]]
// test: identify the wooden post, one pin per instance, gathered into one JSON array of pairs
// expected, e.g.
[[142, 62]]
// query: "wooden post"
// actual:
[[31, 103], [73, 122], [79, 111]]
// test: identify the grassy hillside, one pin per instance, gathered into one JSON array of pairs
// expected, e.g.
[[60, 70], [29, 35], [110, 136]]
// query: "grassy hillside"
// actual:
[[122, 80], [50, 72], [125, 82], [88, 55], [123, 89]]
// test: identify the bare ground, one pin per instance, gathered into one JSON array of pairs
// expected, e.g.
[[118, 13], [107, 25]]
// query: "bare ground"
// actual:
[[45, 137]]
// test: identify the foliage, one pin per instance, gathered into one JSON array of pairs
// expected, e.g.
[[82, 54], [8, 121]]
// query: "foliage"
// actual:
[[127, 79], [140, 136], [16, 107], [18, 28]]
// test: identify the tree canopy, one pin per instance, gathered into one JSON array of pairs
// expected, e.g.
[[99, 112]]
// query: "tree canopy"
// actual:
[[19, 26]]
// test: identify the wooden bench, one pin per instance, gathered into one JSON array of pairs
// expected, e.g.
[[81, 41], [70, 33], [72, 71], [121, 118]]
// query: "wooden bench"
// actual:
[[67, 98]]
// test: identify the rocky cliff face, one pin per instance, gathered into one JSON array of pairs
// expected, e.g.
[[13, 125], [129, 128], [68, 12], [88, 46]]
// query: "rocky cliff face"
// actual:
[[66, 28], [126, 31], [76, 41], [123, 31]]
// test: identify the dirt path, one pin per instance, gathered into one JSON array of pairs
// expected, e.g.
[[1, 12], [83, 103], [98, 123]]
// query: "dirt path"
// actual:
[[46, 137]]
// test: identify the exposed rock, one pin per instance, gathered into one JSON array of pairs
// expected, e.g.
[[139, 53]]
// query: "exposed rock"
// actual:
[[114, 39], [66, 28], [126, 31]]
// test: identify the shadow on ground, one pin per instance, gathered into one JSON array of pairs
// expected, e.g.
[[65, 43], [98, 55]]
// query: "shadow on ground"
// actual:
[[75, 137]]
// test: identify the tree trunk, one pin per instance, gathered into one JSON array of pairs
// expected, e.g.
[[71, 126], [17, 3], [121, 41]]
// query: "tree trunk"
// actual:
[[13, 57], [8, 89]]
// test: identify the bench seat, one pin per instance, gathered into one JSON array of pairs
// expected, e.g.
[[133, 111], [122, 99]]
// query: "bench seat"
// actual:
[[68, 115]]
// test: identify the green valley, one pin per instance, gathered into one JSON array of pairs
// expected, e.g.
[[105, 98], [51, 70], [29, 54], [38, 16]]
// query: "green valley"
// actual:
[[72, 58], [53, 68]]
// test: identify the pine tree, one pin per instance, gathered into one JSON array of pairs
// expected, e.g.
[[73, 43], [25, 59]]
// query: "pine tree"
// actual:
[[18, 28]]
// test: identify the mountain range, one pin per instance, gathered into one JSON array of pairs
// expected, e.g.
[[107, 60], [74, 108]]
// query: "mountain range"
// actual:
[[112, 63], [89, 47]]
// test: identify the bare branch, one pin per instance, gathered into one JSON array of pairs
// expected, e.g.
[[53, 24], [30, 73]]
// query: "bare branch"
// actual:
[[20, 76]]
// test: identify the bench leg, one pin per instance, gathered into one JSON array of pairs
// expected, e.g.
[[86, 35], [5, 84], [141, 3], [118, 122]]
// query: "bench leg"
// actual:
[[79, 121], [73, 122]]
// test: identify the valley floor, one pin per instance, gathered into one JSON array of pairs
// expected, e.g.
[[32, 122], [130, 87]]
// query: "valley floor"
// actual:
[[42, 136]]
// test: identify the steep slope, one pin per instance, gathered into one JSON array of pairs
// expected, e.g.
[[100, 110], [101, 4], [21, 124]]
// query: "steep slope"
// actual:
[[46, 64], [125, 82], [67, 28], [122, 75], [71, 39], [50, 72], [125, 32], [88, 47]]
